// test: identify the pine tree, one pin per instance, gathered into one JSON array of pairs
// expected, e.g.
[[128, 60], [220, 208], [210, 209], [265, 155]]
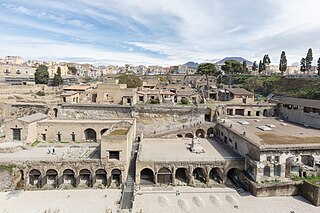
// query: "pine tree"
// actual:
[[41, 75], [283, 62], [309, 60]]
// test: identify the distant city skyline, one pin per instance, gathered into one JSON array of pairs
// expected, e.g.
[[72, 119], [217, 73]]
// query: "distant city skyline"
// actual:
[[159, 32]]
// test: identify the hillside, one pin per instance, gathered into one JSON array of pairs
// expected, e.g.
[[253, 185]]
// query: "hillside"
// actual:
[[300, 88], [240, 59]]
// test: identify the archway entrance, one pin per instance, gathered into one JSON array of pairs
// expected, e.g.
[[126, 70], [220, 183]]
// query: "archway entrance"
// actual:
[[265, 112], [233, 178], [34, 177], [200, 133], [52, 177], [181, 176], [146, 176], [116, 177], [199, 175], [69, 178], [164, 176], [216, 175], [55, 111], [210, 132], [101, 177], [90, 135], [103, 131], [85, 177], [189, 135]]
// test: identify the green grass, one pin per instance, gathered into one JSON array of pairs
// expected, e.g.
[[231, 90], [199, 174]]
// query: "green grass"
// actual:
[[6, 167], [35, 143], [311, 179], [64, 142]]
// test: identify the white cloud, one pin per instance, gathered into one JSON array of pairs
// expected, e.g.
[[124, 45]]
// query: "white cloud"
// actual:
[[173, 31]]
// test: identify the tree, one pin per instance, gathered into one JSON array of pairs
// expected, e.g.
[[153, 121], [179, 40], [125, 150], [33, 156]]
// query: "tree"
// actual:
[[131, 80], [207, 69], [41, 75], [266, 59], [266, 62], [283, 62], [309, 60], [318, 66], [254, 66], [303, 66], [254, 83], [73, 70], [260, 67], [244, 67], [57, 79]]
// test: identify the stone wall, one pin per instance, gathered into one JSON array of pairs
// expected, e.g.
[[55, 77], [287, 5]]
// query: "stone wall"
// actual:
[[9, 177], [311, 192]]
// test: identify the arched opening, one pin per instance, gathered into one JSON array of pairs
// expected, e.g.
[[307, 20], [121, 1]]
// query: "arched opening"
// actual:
[[210, 132], [199, 175], [34, 177], [266, 171], [138, 139], [200, 133], [52, 177], [216, 175], [85, 177], [68, 177], [233, 178], [181, 176], [116, 177], [55, 111], [90, 135], [103, 131], [265, 112], [164, 176], [179, 135], [101, 177], [146, 176], [189, 135]]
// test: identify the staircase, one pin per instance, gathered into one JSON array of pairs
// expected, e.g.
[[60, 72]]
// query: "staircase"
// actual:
[[127, 192]]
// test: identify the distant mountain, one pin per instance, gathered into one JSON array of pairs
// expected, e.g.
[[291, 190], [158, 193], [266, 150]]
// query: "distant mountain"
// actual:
[[191, 64], [295, 64], [240, 59]]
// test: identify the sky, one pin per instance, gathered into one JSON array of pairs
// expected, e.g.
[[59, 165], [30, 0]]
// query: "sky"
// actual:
[[163, 32]]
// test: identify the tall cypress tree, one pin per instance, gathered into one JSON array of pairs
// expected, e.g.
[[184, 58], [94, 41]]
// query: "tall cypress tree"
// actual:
[[260, 69], [254, 66], [309, 59], [303, 67], [283, 62]]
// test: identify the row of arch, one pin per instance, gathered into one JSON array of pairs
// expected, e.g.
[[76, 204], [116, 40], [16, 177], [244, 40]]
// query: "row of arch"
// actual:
[[200, 133], [69, 177], [181, 175]]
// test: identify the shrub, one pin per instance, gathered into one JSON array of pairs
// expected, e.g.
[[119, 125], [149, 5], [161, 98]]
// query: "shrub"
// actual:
[[154, 101], [40, 93], [184, 101]]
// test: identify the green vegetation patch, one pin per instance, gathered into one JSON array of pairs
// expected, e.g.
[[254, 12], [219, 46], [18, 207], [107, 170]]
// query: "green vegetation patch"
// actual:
[[315, 180], [35, 143], [119, 132], [6, 167], [40, 93]]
